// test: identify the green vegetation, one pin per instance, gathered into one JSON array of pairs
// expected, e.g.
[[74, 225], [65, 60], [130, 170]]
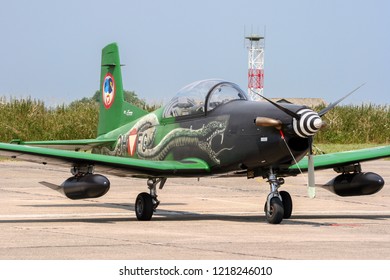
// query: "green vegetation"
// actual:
[[321, 148], [368, 124], [30, 119]]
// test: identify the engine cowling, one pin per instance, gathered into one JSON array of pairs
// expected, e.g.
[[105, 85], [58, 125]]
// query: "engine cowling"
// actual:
[[356, 184], [87, 186]]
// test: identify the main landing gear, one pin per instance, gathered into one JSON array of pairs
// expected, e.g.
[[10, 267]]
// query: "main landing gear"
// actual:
[[277, 207], [147, 203], [278, 204]]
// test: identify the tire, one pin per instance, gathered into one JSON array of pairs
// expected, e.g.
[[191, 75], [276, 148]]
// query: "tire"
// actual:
[[275, 216], [287, 204], [144, 207]]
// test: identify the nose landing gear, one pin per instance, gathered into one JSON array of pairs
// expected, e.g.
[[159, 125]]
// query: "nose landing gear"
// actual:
[[278, 204]]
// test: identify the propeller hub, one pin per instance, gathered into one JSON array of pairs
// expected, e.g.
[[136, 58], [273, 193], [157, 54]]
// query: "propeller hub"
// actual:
[[308, 124], [318, 123]]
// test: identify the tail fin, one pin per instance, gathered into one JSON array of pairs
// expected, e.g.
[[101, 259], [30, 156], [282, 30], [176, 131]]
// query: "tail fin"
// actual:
[[114, 110]]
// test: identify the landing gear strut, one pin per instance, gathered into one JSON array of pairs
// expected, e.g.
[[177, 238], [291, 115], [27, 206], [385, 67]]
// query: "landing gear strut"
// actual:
[[278, 204], [147, 203]]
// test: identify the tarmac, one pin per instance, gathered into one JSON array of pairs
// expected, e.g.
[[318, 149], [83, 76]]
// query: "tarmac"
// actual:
[[209, 219]]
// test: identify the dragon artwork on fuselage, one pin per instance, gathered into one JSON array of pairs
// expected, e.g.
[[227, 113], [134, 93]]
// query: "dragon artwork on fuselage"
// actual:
[[147, 140], [180, 130]]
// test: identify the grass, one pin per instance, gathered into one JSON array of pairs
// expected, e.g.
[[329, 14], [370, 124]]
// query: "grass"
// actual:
[[364, 124], [29, 119], [333, 148]]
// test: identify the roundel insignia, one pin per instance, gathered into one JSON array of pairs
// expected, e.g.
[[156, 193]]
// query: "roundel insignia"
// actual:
[[108, 90], [132, 142]]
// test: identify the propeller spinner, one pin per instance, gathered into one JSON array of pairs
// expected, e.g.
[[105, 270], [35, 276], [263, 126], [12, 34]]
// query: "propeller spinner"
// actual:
[[308, 124]]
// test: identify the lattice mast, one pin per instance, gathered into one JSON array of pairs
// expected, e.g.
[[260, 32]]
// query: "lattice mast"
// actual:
[[255, 66]]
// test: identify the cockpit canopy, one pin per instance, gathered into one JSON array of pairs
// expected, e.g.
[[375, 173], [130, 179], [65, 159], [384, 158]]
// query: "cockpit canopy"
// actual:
[[201, 97]]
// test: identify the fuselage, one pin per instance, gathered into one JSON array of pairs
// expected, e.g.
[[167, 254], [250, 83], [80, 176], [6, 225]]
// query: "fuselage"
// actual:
[[218, 129]]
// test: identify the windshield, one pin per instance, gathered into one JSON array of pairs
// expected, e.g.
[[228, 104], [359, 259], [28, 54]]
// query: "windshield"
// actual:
[[191, 100], [224, 93]]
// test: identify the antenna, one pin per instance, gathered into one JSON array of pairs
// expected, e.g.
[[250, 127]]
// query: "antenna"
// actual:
[[255, 66]]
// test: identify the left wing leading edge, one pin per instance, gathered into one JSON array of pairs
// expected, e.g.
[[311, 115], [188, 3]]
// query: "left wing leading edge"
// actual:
[[339, 159], [119, 166], [71, 145]]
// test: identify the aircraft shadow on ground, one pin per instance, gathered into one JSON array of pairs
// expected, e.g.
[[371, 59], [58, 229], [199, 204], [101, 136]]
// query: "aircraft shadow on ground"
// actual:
[[178, 215], [305, 221]]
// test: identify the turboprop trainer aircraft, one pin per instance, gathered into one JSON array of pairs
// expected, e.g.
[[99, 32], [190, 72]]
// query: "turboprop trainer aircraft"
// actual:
[[209, 128]]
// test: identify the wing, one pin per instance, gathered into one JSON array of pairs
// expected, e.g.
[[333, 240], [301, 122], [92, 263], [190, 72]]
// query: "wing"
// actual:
[[119, 166], [73, 145], [343, 158]]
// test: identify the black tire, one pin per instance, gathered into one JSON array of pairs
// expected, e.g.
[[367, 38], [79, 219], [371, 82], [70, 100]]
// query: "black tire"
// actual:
[[287, 204], [144, 207], [275, 216]]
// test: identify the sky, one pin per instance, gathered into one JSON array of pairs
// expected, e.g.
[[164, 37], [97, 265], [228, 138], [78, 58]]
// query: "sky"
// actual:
[[51, 50]]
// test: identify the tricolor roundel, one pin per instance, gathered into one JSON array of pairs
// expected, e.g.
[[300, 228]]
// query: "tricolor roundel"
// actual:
[[132, 142], [108, 90]]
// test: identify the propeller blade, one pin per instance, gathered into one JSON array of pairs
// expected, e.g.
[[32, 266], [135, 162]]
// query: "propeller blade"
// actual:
[[287, 111], [263, 121], [332, 105], [311, 184]]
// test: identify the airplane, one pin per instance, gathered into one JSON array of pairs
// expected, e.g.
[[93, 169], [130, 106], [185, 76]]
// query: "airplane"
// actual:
[[209, 128]]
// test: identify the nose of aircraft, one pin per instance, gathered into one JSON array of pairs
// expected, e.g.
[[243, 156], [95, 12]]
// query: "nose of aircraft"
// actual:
[[308, 124]]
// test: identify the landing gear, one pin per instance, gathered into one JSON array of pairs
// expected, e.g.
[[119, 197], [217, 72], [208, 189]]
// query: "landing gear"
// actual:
[[287, 204], [144, 207], [147, 203], [278, 204], [276, 212]]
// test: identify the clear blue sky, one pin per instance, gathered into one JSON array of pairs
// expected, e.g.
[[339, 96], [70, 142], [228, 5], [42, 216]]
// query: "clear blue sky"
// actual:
[[51, 49]]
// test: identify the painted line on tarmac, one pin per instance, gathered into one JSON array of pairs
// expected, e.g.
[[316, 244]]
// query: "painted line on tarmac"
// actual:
[[128, 214], [24, 216], [226, 200], [341, 212]]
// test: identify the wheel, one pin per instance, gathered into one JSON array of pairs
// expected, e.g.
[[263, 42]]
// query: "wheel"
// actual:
[[144, 207], [287, 204], [275, 216]]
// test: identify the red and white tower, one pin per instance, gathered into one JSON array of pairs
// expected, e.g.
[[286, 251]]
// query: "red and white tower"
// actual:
[[255, 66]]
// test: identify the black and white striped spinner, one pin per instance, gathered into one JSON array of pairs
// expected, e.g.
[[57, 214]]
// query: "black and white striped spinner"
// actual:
[[309, 123]]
